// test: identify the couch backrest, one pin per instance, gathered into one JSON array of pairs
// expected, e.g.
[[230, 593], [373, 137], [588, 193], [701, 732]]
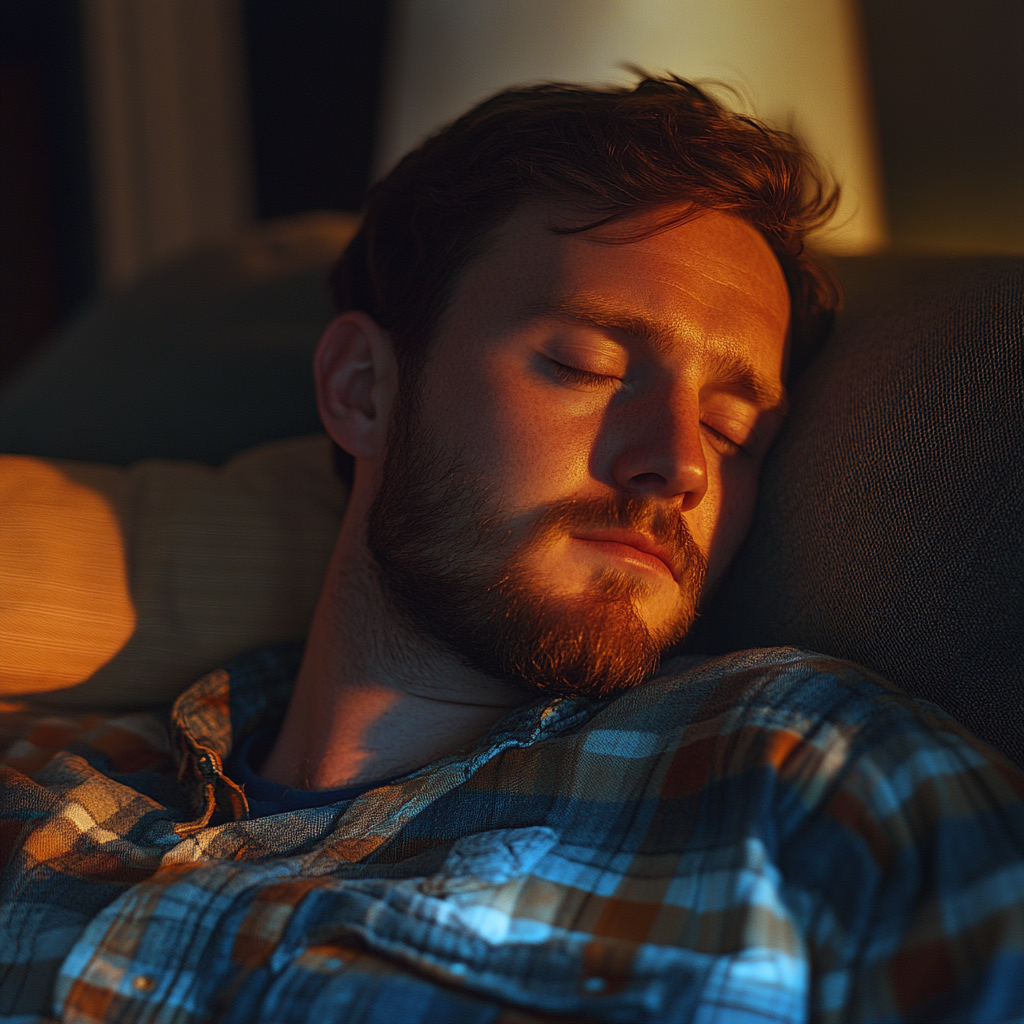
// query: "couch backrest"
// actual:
[[890, 525]]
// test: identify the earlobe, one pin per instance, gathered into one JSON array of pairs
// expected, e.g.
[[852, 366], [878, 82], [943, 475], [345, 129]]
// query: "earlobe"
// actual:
[[356, 381]]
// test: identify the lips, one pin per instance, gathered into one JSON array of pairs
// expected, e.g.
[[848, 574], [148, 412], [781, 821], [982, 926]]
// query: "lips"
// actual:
[[640, 542]]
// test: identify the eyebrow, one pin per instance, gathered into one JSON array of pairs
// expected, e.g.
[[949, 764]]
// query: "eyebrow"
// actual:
[[729, 369]]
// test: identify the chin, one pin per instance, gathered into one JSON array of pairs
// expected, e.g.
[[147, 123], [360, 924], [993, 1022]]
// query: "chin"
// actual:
[[594, 645]]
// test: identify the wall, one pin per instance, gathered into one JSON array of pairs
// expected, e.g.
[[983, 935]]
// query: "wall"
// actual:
[[949, 85]]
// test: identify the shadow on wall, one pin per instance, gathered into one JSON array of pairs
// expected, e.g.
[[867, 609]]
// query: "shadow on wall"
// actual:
[[949, 92]]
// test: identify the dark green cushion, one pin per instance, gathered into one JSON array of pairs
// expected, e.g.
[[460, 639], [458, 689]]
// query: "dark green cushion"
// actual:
[[201, 359]]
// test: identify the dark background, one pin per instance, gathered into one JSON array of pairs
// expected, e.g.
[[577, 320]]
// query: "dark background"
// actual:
[[947, 76]]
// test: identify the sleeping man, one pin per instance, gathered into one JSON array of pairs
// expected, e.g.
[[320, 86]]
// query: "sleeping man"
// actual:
[[489, 788]]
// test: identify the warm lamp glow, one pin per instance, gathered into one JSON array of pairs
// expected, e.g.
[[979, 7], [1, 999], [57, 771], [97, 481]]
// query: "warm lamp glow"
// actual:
[[65, 605], [797, 63]]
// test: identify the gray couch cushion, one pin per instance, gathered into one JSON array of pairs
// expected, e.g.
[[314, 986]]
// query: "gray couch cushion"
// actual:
[[890, 524], [890, 528]]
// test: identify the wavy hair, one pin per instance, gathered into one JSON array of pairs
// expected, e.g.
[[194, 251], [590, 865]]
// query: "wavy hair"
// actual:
[[608, 152]]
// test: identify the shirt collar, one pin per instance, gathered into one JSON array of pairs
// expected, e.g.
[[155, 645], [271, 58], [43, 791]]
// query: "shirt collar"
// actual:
[[215, 713], [231, 702]]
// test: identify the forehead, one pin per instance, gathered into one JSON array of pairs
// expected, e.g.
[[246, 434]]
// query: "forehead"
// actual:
[[711, 282]]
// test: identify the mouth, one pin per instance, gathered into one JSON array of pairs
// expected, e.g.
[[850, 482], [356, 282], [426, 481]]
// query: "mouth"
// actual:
[[636, 549]]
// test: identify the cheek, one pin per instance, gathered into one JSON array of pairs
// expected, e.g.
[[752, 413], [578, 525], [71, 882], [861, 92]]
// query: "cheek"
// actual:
[[722, 519], [512, 430], [545, 448]]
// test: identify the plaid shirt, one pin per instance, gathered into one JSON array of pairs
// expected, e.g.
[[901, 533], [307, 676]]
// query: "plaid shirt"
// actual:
[[768, 836]]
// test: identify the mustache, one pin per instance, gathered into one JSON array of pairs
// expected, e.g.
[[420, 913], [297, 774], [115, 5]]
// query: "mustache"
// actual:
[[665, 525]]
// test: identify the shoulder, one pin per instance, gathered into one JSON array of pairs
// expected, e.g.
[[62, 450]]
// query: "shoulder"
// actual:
[[771, 687], [809, 719]]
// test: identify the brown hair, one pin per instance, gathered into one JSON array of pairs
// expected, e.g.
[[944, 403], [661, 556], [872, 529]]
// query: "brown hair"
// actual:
[[609, 152]]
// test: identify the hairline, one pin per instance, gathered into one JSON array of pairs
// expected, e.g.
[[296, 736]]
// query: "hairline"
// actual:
[[765, 392]]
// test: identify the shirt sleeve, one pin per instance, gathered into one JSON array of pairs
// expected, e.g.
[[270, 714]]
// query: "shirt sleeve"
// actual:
[[910, 881]]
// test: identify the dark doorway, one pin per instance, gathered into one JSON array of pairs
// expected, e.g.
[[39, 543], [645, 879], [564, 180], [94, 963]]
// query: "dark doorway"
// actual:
[[314, 84]]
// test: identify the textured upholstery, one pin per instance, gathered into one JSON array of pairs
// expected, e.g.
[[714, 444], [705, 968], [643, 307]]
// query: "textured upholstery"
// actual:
[[120, 587], [890, 527], [890, 523]]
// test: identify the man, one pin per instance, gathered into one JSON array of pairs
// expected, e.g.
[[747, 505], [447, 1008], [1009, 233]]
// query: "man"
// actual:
[[487, 790]]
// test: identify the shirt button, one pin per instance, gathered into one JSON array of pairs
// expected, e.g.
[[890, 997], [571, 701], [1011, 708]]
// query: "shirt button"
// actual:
[[594, 984], [143, 983]]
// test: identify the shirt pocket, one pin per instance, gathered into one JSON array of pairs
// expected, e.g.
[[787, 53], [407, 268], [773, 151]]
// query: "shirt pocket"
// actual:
[[489, 859]]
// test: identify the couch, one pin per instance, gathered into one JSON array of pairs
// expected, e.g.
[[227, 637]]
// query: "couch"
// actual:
[[890, 528]]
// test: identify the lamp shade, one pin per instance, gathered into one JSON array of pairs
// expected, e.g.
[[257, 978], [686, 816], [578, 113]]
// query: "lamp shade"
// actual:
[[797, 63]]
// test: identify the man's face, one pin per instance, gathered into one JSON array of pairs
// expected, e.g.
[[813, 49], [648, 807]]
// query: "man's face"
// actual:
[[581, 454]]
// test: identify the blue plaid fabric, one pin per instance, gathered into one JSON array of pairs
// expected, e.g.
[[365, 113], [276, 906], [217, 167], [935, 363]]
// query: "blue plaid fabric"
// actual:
[[771, 836]]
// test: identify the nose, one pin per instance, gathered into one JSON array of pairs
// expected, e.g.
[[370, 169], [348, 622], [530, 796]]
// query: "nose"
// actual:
[[658, 452]]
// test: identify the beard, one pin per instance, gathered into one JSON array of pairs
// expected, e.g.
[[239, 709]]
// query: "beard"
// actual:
[[456, 567]]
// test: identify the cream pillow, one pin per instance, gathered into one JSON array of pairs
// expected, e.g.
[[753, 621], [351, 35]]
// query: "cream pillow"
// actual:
[[120, 587]]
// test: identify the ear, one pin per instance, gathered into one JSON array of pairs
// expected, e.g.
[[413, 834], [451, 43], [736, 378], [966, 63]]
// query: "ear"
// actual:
[[356, 383]]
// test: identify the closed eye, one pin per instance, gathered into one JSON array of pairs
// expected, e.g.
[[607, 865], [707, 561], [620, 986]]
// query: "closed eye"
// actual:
[[574, 375], [730, 446]]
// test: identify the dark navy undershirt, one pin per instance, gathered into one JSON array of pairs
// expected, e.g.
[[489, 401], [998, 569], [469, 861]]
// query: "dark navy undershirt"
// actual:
[[265, 797]]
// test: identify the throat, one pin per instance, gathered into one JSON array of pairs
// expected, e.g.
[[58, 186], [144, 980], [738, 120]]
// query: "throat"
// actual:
[[372, 699]]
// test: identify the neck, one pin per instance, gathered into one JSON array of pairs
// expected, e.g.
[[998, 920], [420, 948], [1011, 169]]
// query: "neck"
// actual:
[[373, 698]]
